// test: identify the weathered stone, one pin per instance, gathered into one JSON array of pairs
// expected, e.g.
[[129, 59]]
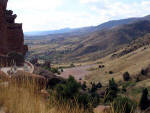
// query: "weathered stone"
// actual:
[[4, 4], [11, 33], [52, 80]]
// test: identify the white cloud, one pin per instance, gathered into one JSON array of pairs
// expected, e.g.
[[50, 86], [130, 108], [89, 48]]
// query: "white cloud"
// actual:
[[116, 9], [88, 1], [46, 15], [35, 4], [34, 13]]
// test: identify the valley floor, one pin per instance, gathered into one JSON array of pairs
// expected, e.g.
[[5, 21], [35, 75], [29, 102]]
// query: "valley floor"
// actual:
[[78, 72], [132, 63]]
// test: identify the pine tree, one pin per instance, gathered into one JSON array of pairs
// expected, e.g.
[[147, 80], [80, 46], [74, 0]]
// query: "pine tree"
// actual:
[[111, 91], [126, 76], [144, 103]]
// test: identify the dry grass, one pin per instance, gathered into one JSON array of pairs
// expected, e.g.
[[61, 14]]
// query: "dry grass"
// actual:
[[133, 63], [25, 98]]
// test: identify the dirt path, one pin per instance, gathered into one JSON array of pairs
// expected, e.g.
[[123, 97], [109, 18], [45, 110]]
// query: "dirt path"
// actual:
[[78, 72]]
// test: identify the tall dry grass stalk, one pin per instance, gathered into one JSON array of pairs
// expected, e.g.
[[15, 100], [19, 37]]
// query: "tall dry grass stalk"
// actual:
[[24, 97]]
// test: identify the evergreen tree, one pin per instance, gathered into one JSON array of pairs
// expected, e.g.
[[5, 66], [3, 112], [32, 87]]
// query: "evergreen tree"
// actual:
[[113, 85], [111, 91], [124, 105], [144, 102], [84, 86], [68, 90], [126, 76], [99, 85]]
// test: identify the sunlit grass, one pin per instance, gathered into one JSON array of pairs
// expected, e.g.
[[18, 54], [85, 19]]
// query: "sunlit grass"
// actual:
[[25, 97]]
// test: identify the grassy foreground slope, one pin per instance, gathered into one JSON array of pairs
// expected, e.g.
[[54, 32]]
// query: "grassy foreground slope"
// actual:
[[26, 98]]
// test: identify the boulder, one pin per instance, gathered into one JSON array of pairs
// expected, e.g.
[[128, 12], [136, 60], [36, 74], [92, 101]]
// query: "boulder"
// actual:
[[102, 109], [3, 76]]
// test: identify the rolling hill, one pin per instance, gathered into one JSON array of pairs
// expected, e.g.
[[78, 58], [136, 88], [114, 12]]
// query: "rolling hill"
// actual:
[[89, 43]]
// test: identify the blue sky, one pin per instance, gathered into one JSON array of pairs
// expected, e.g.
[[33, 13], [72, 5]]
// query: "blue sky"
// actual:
[[56, 14]]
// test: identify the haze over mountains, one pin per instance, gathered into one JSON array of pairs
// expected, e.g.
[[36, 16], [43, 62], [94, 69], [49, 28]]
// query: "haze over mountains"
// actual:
[[106, 25], [92, 42]]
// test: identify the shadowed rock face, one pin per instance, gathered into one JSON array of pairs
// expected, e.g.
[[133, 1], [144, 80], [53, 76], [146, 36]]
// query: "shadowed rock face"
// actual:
[[4, 3], [11, 33]]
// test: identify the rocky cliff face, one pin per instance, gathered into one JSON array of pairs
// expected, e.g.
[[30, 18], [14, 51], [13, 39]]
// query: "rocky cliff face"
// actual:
[[11, 33]]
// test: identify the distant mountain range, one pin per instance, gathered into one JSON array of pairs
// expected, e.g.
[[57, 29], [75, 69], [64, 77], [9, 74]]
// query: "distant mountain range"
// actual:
[[106, 25], [94, 41], [41, 33]]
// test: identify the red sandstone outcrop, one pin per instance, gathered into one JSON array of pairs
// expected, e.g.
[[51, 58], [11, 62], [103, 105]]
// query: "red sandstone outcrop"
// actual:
[[11, 33], [102, 109], [4, 76]]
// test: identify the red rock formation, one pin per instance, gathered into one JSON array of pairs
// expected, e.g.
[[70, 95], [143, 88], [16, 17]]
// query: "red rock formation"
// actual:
[[11, 33]]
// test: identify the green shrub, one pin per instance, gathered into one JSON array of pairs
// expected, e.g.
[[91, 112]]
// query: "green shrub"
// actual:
[[71, 90], [84, 86], [68, 90], [99, 85], [144, 71], [62, 70], [84, 99], [124, 105], [54, 70], [126, 76], [137, 79], [95, 99], [124, 89], [111, 72], [113, 85], [72, 65], [93, 88]]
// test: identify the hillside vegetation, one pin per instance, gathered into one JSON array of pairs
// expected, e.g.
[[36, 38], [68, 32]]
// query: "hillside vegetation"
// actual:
[[25, 97], [109, 66], [88, 43]]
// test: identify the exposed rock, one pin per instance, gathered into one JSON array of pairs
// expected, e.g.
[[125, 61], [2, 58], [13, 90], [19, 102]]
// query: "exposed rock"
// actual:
[[11, 33], [3, 76], [102, 109], [52, 79], [4, 4]]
